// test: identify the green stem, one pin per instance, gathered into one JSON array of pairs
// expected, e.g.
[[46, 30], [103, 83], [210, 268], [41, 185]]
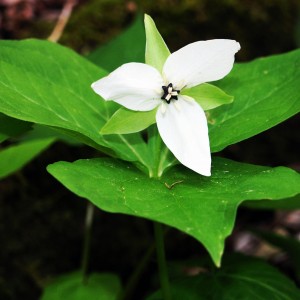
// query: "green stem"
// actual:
[[155, 145], [135, 277], [161, 259], [87, 241]]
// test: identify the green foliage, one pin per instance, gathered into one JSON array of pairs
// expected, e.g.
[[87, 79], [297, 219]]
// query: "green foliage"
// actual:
[[255, 111], [204, 208], [129, 46], [129, 121], [208, 96], [15, 157], [10, 127], [240, 278], [156, 48], [57, 93], [126, 121], [284, 204], [70, 287], [49, 85], [265, 94]]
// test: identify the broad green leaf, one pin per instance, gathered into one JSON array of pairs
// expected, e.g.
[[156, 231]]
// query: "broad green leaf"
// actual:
[[53, 93], [48, 84], [284, 204], [42, 132], [125, 121], [3, 137], [208, 96], [156, 48], [129, 46], [99, 286], [240, 278], [15, 157], [203, 207], [266, 92], [10, 127]]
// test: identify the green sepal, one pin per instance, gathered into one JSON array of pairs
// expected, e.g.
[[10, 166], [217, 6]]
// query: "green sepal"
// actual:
[[208, 96], [156, 48], [125, 121]]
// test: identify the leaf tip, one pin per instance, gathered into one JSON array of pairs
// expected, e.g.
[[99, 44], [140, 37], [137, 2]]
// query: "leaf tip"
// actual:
[[230, 99], [147, 18]]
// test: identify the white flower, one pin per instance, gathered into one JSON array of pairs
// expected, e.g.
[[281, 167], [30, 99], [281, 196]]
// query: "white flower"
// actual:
[[180, 120]]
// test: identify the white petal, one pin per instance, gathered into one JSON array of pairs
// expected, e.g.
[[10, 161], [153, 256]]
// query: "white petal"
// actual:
[[200, 62], [136, 86], [185, 133]]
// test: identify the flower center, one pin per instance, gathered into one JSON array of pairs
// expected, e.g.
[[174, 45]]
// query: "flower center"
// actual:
[[169, 93]]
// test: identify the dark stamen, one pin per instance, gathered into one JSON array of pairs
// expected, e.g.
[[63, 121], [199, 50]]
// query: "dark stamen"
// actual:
[[169, 93]]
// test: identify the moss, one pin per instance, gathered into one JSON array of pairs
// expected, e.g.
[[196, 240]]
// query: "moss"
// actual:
[[93, 24], [263, 27]]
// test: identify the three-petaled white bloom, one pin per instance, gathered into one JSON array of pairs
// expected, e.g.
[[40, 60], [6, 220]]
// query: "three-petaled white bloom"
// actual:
[[180, 120]]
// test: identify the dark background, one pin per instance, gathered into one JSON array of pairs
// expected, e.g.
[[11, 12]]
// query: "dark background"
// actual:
[[42, 223]]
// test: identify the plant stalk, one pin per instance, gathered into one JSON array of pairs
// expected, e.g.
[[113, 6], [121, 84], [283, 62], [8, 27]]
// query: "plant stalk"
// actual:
[[135, 277], [87, 241], [161, 259]]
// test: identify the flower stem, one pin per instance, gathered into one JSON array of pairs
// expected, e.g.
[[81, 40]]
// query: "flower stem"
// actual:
[[161, 259], [87, 241], [135, 277], [155, 145]]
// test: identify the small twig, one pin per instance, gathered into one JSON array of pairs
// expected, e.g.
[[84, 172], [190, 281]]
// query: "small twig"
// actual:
[[62, 21], [173, 184]]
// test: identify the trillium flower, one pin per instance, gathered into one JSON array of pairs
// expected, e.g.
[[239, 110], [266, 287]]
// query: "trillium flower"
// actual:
[[181, 121]]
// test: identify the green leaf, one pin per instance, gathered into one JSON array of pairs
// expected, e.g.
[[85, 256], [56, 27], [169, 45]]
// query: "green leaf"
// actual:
[[208, 96], [15, 157], [156, 48], [48, 84], [99, 286], [203, 207], [3, 137], [10, 127], [240, 278], [42, 132], [126, 121], [126, 47], [53, 93], [284, 204], [266, 92]]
